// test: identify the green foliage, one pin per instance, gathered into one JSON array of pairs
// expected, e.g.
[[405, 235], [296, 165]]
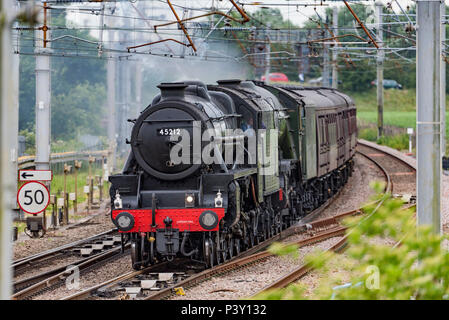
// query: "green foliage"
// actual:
[[57, 184], [280, 249], [369, 134], [398, 142], [30, 140], [399, 111], [65, 145], [418, 268], [355, 80], [78, 86], [76, 111]]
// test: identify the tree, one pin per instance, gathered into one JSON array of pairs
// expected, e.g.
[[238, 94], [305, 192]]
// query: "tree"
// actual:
[[80, 111], [78, 86]]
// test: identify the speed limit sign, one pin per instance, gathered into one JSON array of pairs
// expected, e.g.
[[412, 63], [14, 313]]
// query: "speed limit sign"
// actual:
[[33, 197]]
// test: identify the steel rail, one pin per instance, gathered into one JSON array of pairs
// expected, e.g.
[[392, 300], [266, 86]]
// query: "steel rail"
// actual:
[[301, 227], [239, 263], [373, 146], [249, 257], [56, 279], [303, 269], [23, 263], [335, 230], [82, 295], [25, 283]]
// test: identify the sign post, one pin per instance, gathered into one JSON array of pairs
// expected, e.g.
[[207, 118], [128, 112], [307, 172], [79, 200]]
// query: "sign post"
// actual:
[[410, 133], [35, 175], [33, 197]]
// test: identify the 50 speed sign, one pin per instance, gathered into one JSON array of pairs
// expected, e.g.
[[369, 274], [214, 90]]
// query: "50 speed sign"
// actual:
[[33, 197]]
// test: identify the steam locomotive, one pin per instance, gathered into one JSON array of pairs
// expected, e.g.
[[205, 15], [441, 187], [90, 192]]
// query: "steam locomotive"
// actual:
[[214, 170]]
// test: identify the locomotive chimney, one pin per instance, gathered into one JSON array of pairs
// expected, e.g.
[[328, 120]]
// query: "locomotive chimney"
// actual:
[[229, 82], [172, 90]]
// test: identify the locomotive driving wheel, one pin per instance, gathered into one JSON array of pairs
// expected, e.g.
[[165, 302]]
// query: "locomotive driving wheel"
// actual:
[[221, 251], [230, 244], [237, 246], [253, 232], [254, 238], [209, 252], [278, 223], [246, 237], [267, 227]]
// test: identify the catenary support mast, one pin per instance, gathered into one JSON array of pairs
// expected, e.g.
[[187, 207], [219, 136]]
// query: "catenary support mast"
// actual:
[[380, 71], [443, 81], [43, 93], [8, 107], [335, 52], [428, 113]]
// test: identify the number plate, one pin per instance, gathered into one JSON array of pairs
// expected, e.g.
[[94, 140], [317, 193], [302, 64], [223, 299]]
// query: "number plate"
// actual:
[[168, 131]]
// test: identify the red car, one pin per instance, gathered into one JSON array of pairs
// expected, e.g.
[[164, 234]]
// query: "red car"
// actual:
[[276, 77]]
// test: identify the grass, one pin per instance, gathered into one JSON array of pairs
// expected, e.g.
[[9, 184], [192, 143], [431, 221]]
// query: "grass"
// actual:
[[402, 119], [57, 188], [399, 142], [20, 226], [394, 100], [57, 185], [399, 111]]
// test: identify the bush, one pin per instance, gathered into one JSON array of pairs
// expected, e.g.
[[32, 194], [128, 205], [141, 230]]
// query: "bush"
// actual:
[[417, 269], [399, 142], [368, 134]]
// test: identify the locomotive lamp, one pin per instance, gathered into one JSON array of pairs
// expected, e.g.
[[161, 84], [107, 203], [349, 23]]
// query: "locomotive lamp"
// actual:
[[208, 220], [190, 200], [118, 203], [218, 200]]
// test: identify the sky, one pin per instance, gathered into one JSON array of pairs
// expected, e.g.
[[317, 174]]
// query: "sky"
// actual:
[[304, 12], [298, 15]]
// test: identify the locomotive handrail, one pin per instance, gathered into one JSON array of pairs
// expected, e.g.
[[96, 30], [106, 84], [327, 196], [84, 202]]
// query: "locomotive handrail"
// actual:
[[171, 120]]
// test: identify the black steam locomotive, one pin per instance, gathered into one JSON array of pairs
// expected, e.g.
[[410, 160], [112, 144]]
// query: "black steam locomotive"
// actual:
[[214, 170]]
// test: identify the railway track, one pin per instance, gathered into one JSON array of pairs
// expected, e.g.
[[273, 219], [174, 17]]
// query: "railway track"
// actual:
[[167, 279], [83, 254], [148, 284], [400, 176], [32, 286], [23, 264], [93, 291]]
